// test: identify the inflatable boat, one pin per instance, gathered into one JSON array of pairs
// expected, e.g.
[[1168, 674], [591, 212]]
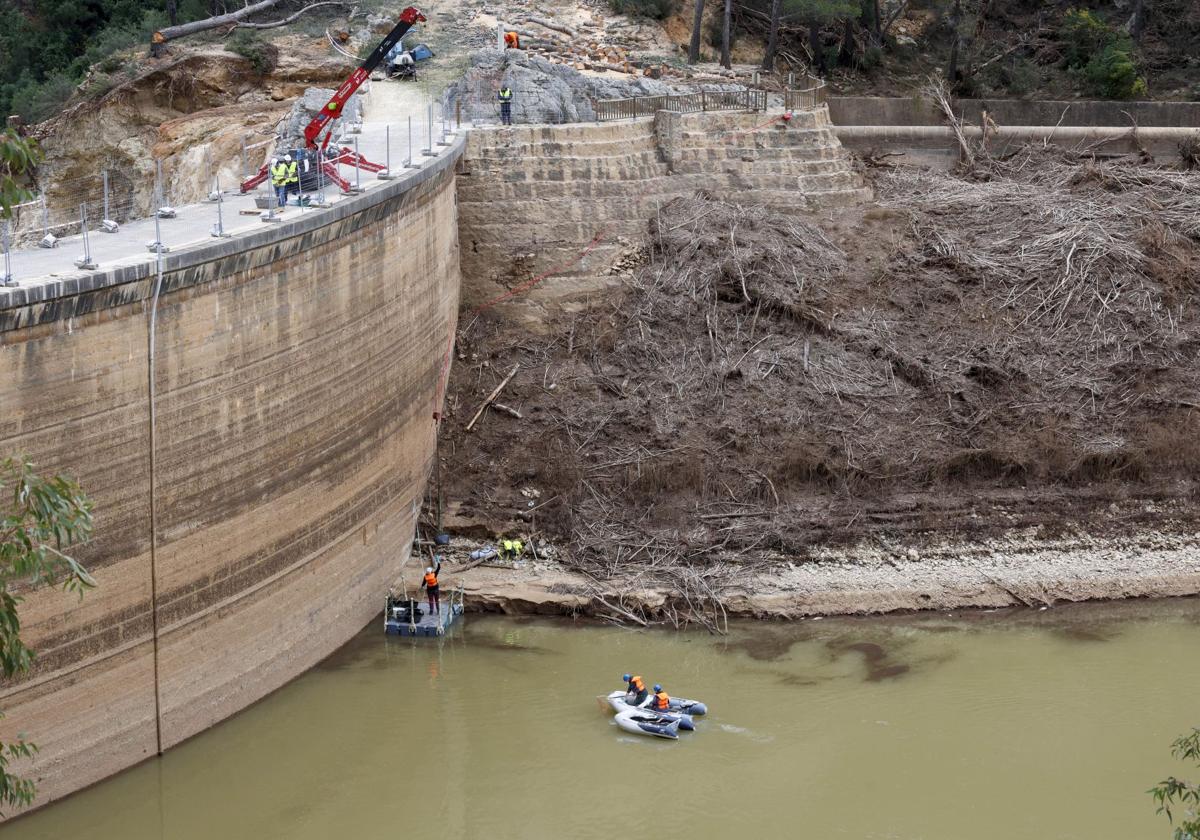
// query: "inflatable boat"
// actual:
[[641, 722], [678, 704], [619, 701]]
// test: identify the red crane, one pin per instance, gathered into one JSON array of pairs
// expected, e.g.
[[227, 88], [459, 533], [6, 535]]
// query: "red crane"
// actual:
[[333, 109]]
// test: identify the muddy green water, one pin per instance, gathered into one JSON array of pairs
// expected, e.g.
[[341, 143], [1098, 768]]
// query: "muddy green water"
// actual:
[[1013, 724]]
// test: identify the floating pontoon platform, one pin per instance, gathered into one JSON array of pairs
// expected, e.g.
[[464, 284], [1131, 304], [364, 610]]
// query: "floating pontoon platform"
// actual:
[[399, 621]]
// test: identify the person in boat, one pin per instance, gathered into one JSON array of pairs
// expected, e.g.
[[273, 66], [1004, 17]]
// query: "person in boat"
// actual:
[[637, 686], [430, 583], [662, 701]]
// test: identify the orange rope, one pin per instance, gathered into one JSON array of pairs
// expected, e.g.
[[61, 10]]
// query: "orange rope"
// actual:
[[513, 292]]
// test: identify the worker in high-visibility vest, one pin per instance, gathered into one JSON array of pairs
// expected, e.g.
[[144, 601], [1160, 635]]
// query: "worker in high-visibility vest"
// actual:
[[279, 180], [512, 41], [662, 701], [505, 96], [430, 584], [636, 686], [293, 178]]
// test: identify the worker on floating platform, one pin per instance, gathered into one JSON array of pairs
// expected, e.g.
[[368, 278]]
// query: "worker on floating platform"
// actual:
[[512, 41], [635, 685], [662, 701], [430, 583]]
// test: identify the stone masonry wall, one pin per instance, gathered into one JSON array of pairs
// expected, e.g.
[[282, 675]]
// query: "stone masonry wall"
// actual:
[[295, 377], [533, 199]]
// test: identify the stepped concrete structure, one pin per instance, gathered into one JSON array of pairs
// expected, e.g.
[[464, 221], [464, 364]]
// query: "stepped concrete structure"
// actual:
[[256, 429], [567, 199]]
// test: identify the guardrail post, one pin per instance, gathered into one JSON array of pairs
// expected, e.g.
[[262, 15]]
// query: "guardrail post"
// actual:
[[321, 179], [703, 99], [85, 261], [408, 163], [429, 119], [219, 228], [47, 240], [7, 279], [357, 169], [245, 171], [386, 174]]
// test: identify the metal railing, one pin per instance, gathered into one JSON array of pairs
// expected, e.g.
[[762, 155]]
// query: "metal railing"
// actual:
[[811, 94], [683, 103]]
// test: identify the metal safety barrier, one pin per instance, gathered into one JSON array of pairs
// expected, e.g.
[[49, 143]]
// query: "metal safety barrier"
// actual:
[[681, 103]]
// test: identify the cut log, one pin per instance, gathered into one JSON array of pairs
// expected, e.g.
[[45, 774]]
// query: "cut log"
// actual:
[[235, 20], [557, 27]]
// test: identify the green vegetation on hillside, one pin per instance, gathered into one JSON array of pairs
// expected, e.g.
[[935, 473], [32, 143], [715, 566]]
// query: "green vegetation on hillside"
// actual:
[[984, 47], [47, 46]]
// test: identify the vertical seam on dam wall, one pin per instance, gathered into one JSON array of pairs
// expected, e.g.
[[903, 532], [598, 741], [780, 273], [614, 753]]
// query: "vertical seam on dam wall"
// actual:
[[151, 414]]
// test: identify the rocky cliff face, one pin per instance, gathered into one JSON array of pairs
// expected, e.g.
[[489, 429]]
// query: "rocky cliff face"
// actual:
[[543, 92]]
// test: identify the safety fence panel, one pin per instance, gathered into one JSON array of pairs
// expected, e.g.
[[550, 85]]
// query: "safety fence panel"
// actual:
[[681, 103]]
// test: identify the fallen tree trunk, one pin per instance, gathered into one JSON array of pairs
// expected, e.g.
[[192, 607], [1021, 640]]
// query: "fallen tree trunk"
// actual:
[[554, 25], [234, 20]]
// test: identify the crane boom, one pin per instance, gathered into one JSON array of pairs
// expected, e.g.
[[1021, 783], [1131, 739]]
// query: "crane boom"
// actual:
[[333, 108]]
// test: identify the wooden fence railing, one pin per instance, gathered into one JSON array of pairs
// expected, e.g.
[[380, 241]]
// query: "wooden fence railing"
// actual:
[[683, 103], [811, 94]]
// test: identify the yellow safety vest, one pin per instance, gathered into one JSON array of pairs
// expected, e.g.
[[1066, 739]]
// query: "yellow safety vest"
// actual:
[[279, 174], [293, 173]]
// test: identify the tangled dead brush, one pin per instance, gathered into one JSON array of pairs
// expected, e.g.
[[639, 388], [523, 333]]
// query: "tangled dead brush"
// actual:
[[766, 381], [1080, 239]]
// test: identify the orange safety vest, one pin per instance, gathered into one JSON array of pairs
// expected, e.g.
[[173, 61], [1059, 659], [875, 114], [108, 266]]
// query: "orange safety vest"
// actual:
[[512, 40], [661, 701], [430, 579], [638, 684]]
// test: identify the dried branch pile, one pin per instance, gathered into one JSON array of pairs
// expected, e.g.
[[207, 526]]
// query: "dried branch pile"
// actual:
[[765, 382]]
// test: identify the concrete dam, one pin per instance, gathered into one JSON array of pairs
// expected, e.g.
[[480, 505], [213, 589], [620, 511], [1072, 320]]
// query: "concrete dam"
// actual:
[[257, 430]]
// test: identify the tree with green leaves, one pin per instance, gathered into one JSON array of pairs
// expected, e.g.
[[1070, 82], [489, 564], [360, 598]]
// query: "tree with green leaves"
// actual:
[[17, 157], [1177, 794], [39, 519]]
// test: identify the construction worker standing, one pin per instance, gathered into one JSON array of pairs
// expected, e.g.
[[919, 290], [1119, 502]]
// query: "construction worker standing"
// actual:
[[293, 178], [430, 584], [512, 41], [505, 96], [279, 176]]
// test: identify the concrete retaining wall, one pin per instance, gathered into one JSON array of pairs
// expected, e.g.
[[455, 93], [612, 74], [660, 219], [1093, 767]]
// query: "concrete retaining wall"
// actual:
[[567, 200], [292, 387], [893, 111]]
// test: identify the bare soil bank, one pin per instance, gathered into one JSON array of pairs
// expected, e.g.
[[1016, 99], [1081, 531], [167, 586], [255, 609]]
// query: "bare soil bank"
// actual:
[[1017, 570]]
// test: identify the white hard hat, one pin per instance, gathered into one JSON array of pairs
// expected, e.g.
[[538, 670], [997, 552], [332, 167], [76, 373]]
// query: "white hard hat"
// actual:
[[287, 158], [275, 160], [429, 568]]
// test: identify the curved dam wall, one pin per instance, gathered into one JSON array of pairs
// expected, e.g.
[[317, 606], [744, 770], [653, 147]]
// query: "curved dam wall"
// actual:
[[256, 443]]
